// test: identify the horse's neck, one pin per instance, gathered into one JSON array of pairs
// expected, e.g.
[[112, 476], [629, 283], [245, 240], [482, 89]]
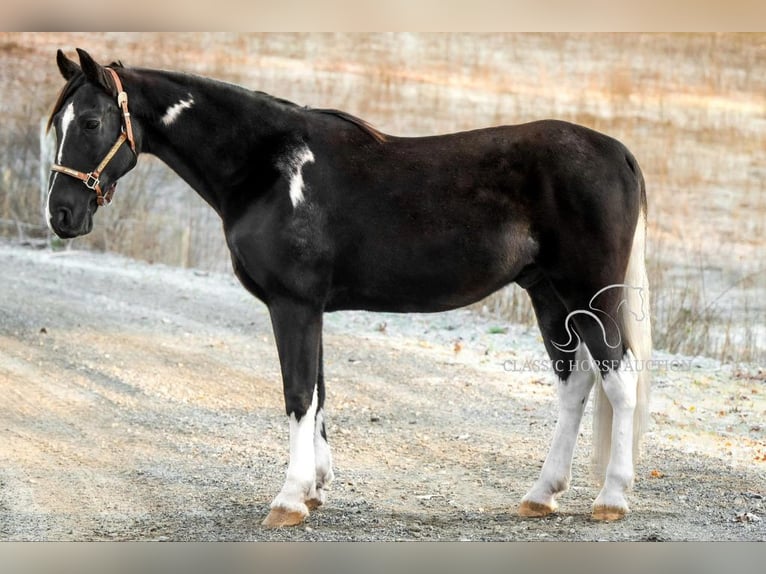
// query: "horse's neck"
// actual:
[[203, 129]]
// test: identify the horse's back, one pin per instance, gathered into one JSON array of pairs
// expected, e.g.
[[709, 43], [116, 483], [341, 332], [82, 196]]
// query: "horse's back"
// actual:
[[510, 161]]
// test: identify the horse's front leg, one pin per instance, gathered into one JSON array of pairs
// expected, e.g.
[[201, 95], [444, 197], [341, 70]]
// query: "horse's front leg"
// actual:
[[323, 456], [298, 331]]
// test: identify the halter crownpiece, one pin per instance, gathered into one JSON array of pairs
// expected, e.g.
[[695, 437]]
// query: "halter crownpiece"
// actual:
[[122, 101], [91, 179]]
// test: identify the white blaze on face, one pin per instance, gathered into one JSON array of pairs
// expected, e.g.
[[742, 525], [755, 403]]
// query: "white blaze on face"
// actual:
[[294, 166], [172, 113], [66, 122]]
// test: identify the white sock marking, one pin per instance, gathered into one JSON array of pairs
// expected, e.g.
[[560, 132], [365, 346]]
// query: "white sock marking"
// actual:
[[172, 113], [295, 172], [620, 387], [301, 471], [66, 121], [557, 469], [324, 473]]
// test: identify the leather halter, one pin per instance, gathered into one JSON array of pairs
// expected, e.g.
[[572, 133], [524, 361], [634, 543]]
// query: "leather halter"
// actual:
[[91, 179]]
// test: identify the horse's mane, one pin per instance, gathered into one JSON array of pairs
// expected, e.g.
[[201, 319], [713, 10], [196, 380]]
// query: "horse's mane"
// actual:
[[72, 85], [378, 136], [363, 125]]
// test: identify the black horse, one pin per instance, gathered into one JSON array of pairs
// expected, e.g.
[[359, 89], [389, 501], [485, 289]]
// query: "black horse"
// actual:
[[321, 212]]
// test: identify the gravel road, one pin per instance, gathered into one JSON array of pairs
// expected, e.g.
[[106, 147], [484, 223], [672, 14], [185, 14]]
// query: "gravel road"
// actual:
[[142, 402]]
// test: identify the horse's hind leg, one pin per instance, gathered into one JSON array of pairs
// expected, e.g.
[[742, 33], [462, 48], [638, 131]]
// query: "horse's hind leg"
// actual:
[[620, 386], [575, 379], [613, 423]]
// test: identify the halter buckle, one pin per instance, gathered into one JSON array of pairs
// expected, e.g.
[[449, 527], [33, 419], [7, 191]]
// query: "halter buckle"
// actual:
[[92, 181]]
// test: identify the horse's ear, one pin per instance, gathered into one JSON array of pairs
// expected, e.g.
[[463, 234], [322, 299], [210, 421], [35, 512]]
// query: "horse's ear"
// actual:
[[94, 72], [67, 67]]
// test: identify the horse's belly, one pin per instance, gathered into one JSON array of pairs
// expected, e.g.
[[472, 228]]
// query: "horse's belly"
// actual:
[[432, 279]]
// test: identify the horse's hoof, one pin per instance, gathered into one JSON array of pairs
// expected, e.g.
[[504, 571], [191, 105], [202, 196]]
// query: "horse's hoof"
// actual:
[[605, 513], [279, 517], [531, 509], [313, 503]]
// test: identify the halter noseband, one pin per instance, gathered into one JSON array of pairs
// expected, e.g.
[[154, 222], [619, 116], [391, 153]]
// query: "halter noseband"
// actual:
[[91, 180]]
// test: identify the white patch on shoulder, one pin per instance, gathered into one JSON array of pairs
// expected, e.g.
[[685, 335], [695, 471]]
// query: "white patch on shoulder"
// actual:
[[172, 113], [294, 166]]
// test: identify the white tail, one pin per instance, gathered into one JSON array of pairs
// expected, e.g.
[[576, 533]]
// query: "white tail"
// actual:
[[636, 332]]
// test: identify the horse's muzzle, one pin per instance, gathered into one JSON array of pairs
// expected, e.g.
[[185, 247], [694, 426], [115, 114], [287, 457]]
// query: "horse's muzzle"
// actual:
[[66, 225]]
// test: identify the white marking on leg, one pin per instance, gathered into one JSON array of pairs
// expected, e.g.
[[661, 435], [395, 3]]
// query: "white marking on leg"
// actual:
[[172, 113], [620, 387], [300, 484], [557, 469], [294, 168], [324, 473], [66, 122]]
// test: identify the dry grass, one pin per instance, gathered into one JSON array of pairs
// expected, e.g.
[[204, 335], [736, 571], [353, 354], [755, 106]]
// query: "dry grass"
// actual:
[[692, 108]]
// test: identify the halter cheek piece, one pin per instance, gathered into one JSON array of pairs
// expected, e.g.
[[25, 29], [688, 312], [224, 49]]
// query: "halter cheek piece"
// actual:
[[91, 180]]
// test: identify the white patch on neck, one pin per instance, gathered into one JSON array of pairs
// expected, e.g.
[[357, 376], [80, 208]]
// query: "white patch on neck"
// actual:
[[172, 113], [66, 121], [295, 165]]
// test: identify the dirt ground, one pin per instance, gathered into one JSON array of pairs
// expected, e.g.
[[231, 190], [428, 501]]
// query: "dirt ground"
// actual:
[[142, 402]]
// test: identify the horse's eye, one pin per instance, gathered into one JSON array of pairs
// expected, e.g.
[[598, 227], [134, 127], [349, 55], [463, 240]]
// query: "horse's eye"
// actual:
[[92, 124]]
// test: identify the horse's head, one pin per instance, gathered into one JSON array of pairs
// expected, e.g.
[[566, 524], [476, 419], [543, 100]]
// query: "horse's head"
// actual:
[[95, 144]]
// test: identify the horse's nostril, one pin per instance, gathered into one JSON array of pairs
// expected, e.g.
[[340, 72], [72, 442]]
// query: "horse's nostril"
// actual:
[[62, 218]]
